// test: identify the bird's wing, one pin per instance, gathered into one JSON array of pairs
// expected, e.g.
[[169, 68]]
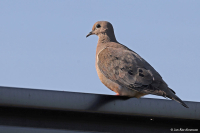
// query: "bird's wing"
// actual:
[[128, 69]]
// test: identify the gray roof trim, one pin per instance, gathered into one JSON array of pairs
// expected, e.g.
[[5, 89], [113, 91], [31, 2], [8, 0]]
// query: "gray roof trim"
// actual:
[[84, 102]]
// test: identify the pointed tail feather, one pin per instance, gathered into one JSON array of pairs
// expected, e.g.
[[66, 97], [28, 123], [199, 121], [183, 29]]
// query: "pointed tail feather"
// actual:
[[171, 94], [176, 98], [179, 101]]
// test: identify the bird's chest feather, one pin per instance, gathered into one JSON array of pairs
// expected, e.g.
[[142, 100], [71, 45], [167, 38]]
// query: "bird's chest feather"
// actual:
[[107, 82]]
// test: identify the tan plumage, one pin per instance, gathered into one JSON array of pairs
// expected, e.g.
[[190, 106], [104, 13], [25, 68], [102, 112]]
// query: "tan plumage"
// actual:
[[124, 71]]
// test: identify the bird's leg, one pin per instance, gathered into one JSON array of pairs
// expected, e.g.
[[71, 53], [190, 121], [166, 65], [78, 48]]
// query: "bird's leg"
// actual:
[[122, 97]]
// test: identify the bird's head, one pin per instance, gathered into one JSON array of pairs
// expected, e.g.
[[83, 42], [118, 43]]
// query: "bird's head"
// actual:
[[101, 27]]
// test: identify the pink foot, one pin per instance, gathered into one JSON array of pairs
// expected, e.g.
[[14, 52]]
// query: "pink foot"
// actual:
[[117, 94]]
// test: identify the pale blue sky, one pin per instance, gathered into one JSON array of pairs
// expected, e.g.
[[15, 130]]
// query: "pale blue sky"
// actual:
[[43, 43]]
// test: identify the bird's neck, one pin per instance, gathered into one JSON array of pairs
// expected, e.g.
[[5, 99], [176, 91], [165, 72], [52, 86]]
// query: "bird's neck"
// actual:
[[105, 37]]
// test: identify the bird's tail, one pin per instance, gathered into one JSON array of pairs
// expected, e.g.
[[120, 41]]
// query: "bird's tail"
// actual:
[[176, 98]]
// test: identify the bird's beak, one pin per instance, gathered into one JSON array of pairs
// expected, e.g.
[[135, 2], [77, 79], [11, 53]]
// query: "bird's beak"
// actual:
[[91, 33]]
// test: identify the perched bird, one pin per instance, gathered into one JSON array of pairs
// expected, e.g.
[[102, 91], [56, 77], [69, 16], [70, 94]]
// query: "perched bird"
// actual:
[[123, 70]]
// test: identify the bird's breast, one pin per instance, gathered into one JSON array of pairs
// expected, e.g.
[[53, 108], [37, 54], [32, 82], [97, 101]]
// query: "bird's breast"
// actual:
[[107, 82]]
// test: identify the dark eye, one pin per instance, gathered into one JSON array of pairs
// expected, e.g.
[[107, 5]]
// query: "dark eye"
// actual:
[[98, 25]]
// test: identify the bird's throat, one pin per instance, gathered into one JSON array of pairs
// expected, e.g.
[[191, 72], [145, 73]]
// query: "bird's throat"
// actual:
[[104, 38]]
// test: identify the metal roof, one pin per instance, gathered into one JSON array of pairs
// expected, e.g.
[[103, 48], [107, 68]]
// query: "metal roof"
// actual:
[[108, 104]]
